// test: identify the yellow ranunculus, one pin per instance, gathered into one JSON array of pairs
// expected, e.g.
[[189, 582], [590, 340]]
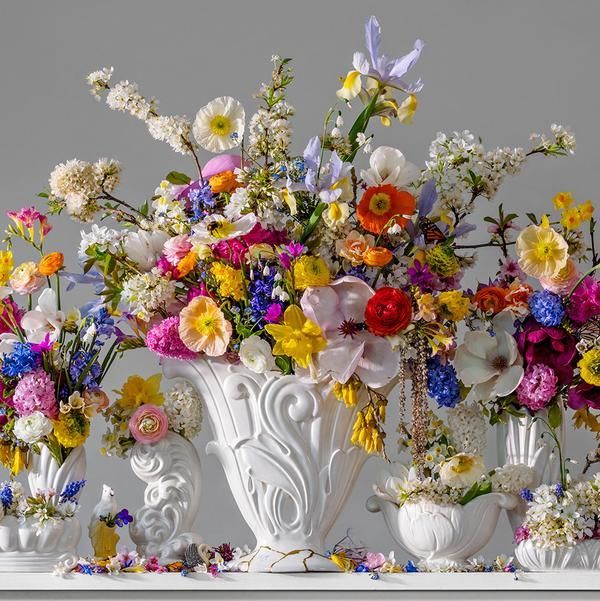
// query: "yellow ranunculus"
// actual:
[[297, 337], [310, 271], [231, 283], [453, 305], [139, 391], [589, 367]]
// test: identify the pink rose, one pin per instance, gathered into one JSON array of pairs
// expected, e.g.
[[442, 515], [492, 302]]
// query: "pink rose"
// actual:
[[176, 248], [148, 424]]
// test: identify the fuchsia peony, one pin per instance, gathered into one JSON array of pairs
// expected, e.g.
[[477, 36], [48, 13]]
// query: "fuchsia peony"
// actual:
[[585, 301], [148, 424], [35, 392], [584, 395], [163, 339], [538, 387], [553, 347]]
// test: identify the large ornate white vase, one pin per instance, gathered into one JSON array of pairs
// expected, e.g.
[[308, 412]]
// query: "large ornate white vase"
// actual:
[[525, 441], [582, 556], [22, 548], [443, 536], [171, 470], [285, 447]]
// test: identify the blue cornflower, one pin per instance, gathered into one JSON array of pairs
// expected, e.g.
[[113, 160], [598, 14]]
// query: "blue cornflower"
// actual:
[[559, 491], [410, 567], [6, 495], [85, 568], [547, 308], [71, 490], [526, 495], [20, 361], [442, 383], [123, 518], [79, 364], [201, 199]]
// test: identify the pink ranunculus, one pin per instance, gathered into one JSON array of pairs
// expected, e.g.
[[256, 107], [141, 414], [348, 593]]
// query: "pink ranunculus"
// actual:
[[554, 347], [176, 248], [148, 424], [562, 283], [585, 301], [339, 310], [584, 395]]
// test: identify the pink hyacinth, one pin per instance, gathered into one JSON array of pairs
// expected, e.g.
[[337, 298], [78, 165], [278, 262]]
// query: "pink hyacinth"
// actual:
[[35, 392], [538, 387], [164, 340], [521, 534], [148, 424]]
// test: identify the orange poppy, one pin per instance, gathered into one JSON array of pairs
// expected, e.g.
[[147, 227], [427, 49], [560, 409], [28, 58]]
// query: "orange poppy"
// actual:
[[380, 204]]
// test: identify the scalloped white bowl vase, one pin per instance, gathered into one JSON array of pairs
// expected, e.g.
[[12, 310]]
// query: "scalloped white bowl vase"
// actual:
[[171, 470], [22, 549], [285, 448], [582, 556], [523, 440], [442, 536]]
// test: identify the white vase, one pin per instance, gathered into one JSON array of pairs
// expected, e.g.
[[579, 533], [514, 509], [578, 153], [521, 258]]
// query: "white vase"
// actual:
[[525, 441], [44, 471], [171, 470], [582, 556], [443, 536], [285, 448]]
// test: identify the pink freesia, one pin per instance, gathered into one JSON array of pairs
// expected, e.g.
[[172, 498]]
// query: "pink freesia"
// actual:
[[176, 248], [148, 424], [339, 310]]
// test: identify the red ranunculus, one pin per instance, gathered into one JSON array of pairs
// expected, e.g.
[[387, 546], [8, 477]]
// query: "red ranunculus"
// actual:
[[388, 312]]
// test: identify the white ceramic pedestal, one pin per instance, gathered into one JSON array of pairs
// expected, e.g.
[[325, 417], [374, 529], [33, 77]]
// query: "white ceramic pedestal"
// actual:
[[171, 470], [285, 447], [443, 536], [582, 556]]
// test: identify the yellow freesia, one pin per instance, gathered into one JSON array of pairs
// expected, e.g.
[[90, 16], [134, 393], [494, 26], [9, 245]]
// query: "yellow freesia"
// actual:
[[6, 266]]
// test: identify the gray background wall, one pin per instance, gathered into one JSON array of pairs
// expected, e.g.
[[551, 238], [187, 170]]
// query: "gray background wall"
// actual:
[[501, 69]]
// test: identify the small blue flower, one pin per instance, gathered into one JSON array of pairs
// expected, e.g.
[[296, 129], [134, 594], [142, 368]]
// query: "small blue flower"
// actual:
[[72, 489], [201, 199], [442, 383], [20, 361], [526, 495], [547, 308], [6, 495], [559, 491], [79, 364], [123, 518], [361, 567], [410, 567], [374, 576]]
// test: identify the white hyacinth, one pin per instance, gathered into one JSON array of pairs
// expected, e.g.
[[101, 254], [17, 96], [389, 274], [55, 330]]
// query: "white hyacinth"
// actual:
[[183, 408]]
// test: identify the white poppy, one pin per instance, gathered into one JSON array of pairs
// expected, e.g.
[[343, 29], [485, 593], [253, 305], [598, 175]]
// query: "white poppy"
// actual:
[[219, 125], [216, 228], [144, 248], [389, 166], [44, 319], [255, 353]]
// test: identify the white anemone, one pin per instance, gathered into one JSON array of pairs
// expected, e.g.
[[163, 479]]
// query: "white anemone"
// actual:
[[219, 125]]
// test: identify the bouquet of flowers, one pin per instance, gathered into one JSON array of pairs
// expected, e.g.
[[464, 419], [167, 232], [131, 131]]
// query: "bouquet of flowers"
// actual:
[[52, 363], [312, 264]]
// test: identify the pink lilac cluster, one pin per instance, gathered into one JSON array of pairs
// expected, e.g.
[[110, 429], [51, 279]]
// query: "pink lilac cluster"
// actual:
[[35, 392], [585, 301], [164, 340], [538, 387]]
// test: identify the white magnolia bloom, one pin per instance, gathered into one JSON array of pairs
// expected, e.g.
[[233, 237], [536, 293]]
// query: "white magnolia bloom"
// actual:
[[462, 470], [7, 343], [219, 125], [492, 365], [255, 353], [389, 166], [216, 228], [44, 319], [32, 428], [145, 248]]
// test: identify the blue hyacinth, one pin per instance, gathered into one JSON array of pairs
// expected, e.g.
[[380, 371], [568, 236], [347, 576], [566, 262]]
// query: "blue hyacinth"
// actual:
[[559, 491], [260, 290], [79, 364], [6, 495], [20, 361], [72, 490], [526, 495], [547, 308], [442, 383]]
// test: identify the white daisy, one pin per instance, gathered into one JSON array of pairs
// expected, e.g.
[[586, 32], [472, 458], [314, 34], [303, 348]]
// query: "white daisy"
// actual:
[[219, 125]]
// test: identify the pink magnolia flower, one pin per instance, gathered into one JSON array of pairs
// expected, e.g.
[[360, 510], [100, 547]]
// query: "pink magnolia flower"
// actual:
[[339, 310], [176, 248], [148, 424]]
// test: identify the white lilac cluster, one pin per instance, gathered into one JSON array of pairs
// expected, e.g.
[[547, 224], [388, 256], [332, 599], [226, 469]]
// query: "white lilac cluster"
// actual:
[[168, 212], [79, 184], [467, 428], [183, 408], [558, 517], [148, 292], [512, 478], [104, 239], [270, 132]]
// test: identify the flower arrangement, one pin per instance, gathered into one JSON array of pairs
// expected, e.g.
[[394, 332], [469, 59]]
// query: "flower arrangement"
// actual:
[[142, 413], [313, 264], [52, 363]]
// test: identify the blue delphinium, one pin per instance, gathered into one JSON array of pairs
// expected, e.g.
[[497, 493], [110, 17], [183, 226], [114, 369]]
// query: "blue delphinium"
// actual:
[[442, 383], [20, 361], [260, 291], [547, 308], [79, 364], [201, 199], [6, 495], [72, 489]]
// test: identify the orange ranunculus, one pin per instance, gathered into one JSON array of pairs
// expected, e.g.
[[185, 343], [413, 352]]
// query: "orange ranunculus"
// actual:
[[186, 265], [223, 182], [517, 295], [377, 256], [382, 206], [491, 299], [51, 263]]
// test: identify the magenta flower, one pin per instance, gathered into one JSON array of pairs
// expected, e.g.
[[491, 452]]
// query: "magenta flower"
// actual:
[[522, 533], [232, 251], [28, 217], [274, 313], [163, 339], [374, 560], [200, 290], [538, 387], [419, 275], [551, 346], [584, 395], [585, 301], [294, 249]]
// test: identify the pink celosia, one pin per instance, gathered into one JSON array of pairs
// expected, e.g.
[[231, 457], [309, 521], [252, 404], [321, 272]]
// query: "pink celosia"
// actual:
[[176, 248], [538, 387], [164, 340], [35, 392], [148, 424]]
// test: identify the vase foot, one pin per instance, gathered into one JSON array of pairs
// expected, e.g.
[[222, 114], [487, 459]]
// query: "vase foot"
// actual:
[[269, 559], [20, 561]]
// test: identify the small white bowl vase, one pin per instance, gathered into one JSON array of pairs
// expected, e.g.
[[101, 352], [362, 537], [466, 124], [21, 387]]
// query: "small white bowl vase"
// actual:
[[582, 556]]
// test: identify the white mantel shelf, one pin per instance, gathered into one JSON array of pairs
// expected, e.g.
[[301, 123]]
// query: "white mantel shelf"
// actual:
[[578, 584]]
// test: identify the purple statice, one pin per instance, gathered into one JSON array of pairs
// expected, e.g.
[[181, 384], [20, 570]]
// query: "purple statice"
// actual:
[[72, 490], [201, 200], [84, 365], [526, 495], [442, 383], [260, 291], [420, 275], [547, 308], [21, 361]]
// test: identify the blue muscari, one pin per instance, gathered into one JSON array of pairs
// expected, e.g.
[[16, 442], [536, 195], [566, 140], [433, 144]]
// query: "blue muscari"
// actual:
[[442, 383], [6, 495], [71, 490], [79, 363], [526, 495], [20, 361]]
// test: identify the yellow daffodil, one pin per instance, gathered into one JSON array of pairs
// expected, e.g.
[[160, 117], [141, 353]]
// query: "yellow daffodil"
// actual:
[[204, 328], [571, 219], [563, 200], [589, 367], [310, 271], [139, 391], [586, 210], [297, 337], [542, 251]]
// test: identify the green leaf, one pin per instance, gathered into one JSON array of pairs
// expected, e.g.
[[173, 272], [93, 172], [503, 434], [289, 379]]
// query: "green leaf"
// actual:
[[490, 220], [360, 125], [284, 363], [43, 195], [532, 217], [477, 490], [313, 220], [145, 209], [174, 177], [554, 416]]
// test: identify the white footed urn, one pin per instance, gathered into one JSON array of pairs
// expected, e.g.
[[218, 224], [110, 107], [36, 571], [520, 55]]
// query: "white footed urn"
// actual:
[[171, 470], [443, 536], [285, 447], [584, 555]]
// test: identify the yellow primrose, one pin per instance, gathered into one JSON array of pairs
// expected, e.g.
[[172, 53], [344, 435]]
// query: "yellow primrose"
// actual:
[[310, 271], [571, 219], [139, 391], [589, 367], [6, 266], [453, 305], [586, 210], [351, 86], [563, 200], [297, 337]]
